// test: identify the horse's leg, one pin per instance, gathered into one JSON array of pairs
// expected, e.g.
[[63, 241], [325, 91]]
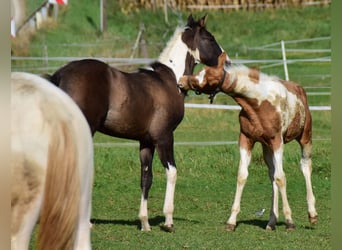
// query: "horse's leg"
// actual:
[[21, 238], [166, 155], [246, 146], [146, 157], [306, 167], [84, 225], [274, 211], [278, 182]]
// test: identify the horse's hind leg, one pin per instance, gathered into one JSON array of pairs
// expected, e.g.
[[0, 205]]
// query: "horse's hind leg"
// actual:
[[306, 167], [274, 159], [274, 212], [21, 237], [146, 157], [84, 225], [246, 146], [166, 155]]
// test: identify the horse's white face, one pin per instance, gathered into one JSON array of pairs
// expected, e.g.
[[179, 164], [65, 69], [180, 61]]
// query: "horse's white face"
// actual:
[[193, 40]]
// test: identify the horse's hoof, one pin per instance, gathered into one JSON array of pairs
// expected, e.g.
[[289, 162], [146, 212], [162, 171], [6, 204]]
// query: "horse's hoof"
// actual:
[[168, 228], [270, 228], [146, 228], [313, 219], [290, 227], [230, 227]]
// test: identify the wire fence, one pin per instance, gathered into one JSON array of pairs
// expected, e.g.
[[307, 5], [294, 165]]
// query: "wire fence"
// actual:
[[44, 64]]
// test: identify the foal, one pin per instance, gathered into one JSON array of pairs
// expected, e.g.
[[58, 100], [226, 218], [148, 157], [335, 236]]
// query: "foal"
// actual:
[[273, 113]]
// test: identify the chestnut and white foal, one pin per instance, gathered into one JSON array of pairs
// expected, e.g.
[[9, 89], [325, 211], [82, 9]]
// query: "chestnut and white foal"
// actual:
[[273, 113]]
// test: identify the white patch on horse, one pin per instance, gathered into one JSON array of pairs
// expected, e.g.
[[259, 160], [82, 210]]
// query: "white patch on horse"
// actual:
[[269, 88], [196, 55], [200, 77], [143, 215], [148, 68], [174, 54], [171, 175]]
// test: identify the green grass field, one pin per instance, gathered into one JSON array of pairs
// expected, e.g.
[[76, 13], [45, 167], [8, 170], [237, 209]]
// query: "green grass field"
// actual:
[[205, 191], [206, 173]]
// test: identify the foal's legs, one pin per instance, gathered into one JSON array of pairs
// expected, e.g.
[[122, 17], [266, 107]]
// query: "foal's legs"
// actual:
[[246, 146], [146, 157], [166, 155], [306, 167], [274, 160]]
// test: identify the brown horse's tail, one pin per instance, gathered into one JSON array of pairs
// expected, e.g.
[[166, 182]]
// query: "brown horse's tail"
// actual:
[[60, 209]]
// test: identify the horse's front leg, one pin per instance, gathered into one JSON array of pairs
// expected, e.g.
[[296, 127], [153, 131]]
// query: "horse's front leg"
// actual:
[[246, 145], [166, 154], [146, 157]]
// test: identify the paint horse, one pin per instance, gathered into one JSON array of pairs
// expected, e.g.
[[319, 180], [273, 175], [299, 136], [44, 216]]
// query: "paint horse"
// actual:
[[51, 168], [273, 113], [146, 105]]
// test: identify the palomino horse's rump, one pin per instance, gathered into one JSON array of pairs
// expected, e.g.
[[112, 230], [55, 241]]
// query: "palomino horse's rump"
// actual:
[[52, 166]]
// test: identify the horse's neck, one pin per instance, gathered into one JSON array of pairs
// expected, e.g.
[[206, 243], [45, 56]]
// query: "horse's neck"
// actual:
[[175, 54], [242, 88], [246, 85]]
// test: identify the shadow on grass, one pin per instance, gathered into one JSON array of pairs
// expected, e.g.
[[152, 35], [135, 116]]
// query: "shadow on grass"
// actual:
[[154, 221], [258, 223], [263, 223]]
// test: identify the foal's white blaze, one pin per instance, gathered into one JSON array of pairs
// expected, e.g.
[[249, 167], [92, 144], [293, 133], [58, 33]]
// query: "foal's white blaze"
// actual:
[[171, 175], [200, 77]]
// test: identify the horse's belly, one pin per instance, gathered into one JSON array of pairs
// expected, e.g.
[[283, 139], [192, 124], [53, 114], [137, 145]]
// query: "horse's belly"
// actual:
[[125, 126]]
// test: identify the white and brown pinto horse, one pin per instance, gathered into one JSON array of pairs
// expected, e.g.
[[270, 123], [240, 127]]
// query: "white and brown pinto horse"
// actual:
[[273, 113], [145, 105], [52, 166]]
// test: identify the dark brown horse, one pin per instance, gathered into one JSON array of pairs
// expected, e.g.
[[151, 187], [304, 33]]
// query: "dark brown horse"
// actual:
[[145, 105]]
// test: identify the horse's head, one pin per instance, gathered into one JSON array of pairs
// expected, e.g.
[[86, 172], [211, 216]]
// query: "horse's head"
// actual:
[[201, 43], [208, 80]]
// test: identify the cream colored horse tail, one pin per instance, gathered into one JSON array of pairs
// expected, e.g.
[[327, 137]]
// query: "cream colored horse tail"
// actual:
[[60, 209]]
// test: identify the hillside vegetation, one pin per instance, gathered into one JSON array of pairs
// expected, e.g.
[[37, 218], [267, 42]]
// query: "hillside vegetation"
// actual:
[[78, 23]]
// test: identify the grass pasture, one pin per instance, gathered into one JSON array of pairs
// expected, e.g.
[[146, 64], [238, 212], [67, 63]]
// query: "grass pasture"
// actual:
[[205, 191], [206, 172]]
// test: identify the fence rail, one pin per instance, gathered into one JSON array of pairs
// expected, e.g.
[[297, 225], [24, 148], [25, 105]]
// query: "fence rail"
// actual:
[[236, 107], [251, 5]]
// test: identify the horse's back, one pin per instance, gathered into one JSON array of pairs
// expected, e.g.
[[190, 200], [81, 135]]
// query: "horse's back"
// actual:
[[112, 100], [43, 116], [88, 82]]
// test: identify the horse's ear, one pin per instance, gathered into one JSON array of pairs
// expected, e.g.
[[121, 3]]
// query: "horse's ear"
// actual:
[[190, 19], [203, 20]]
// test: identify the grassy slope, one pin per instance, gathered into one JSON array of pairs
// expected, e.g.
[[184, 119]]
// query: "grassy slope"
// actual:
[[235, 31], [206, 182]]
